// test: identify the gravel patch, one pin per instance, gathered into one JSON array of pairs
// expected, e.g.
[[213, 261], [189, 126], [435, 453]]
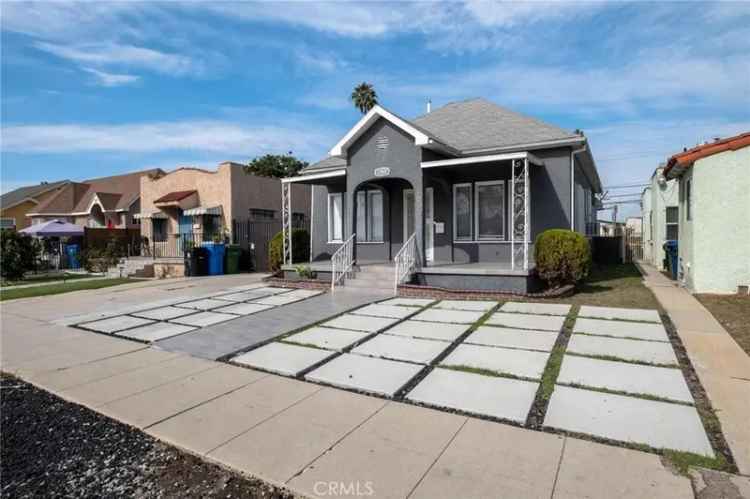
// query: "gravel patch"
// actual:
[[54, 448]]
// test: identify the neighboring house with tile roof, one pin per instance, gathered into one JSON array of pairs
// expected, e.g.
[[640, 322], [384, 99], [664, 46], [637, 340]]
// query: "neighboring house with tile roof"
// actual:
[[659, 210], [196, 204], [99, 202], [16, 205], [470, 185], [714, 196]]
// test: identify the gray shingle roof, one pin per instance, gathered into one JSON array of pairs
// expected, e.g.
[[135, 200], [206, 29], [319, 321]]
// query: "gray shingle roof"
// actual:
[[481, 124], [16, 196], [328, 162]]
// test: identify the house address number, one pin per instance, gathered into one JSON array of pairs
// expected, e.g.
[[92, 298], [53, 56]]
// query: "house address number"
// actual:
[[382, 172]]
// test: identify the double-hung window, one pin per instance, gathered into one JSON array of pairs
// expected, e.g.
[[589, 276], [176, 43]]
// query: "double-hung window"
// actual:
[[672, 216], [370, 216], [462, 209], [336, 217], [489, 210]]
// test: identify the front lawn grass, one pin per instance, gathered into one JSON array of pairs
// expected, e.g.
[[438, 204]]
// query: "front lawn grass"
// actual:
[[613, 285], [732, 311], [32, 279], [54, 289]]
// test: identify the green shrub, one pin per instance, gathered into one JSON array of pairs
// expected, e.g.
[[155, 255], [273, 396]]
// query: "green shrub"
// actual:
[[17, 254], [562, 257], [304, 271], [102, 259], [300, 248]]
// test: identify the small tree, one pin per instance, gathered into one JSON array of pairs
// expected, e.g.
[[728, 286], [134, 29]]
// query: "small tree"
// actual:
[[562, 257], [275, 165], [364, 97], [17, 254]]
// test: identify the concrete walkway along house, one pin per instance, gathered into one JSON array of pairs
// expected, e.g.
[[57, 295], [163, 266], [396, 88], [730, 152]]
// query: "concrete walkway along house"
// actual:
[[192, 206], [453, 198], [714, 186]]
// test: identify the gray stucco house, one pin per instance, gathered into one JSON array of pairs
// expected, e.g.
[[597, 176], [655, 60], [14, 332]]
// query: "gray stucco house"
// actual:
[[451, 199]]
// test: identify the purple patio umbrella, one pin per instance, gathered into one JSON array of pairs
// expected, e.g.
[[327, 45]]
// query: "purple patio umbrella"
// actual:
[[53, 228]]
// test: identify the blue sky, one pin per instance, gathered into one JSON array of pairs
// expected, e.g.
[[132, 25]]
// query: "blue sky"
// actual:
[[99, 88]]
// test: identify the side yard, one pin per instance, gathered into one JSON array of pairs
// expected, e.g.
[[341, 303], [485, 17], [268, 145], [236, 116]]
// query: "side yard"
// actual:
[[733, 312]]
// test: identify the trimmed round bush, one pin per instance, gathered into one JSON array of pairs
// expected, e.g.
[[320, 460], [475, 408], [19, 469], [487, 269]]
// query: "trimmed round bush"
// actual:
[[300, 248], [562, 257]]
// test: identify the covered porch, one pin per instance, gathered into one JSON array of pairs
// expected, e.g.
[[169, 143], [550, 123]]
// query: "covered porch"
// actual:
[[461, 217]]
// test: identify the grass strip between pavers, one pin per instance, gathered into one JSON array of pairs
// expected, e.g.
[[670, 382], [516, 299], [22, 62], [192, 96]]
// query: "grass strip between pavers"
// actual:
[[59, 288]]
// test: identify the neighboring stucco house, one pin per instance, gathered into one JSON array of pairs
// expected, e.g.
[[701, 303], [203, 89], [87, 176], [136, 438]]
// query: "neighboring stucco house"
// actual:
[[659, 209], [714, 243], [469, 185], [16, 205], [197, 205], [111, 202]]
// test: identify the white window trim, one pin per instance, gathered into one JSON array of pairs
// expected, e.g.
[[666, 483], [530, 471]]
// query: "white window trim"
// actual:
[[477, 185], [471, 209], [329, 214]]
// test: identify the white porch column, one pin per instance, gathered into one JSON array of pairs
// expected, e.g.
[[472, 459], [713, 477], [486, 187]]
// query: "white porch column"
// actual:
[[286, 221]]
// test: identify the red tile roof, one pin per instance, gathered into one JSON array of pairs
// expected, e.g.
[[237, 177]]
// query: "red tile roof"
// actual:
[[174, 196], [685, 159]]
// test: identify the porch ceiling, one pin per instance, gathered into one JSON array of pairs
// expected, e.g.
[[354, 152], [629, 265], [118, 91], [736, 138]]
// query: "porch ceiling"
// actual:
[[472, 160]]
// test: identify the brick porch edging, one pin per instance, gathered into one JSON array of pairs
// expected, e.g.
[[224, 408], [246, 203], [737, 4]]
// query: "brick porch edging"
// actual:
[[297, 283], [418, 291]]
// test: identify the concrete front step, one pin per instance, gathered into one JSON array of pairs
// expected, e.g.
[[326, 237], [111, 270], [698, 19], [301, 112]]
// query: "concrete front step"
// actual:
[[369, 284]]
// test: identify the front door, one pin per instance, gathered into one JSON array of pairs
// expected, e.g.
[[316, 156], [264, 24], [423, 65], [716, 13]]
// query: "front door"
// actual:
[[429, 225]]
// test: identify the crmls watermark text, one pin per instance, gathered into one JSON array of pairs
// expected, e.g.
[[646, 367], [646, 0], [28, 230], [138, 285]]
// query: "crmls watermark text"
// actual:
[[334, 489]]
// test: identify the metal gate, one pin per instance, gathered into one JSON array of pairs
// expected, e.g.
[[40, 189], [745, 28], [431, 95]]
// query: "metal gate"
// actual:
[[633, 245], [255, 236]]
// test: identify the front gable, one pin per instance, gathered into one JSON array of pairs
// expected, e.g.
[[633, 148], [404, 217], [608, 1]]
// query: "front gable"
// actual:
[[384, 146], [377, 113]]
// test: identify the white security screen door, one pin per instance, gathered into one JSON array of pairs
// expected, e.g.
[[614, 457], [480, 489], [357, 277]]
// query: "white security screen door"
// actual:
[[429, 225]]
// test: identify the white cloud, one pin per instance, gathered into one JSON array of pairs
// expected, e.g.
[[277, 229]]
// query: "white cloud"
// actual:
[[653, 81], [226, 138], [111, 79], [112, 54]]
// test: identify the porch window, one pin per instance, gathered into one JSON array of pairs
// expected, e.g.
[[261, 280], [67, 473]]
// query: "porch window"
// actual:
[[335, 217], [462, 212], [370, 216], [490, 207]]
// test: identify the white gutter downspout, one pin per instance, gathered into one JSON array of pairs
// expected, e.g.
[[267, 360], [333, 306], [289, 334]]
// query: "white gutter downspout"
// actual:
[[573, 185]]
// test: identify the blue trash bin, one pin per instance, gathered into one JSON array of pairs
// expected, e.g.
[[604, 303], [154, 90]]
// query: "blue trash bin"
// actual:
[[670, 247], [72, 251], [215, 258]]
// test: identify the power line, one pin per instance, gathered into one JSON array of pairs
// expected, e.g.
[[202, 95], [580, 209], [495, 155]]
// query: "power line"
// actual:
[[625, 186]]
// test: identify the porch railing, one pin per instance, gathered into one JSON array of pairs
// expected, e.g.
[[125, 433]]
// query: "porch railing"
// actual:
[[406, 261], [342, 262]]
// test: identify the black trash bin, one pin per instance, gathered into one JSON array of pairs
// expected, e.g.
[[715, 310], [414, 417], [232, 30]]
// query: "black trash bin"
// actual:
[[202, 257]]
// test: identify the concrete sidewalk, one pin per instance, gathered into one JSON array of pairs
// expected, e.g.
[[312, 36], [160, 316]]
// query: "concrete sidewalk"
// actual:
[[320, 441], [722, 366]]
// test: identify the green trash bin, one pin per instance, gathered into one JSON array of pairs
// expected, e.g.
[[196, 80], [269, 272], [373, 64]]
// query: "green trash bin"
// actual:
[[232, 255]]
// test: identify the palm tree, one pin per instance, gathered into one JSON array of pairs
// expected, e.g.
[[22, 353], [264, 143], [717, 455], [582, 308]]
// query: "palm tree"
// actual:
[[364, 97]]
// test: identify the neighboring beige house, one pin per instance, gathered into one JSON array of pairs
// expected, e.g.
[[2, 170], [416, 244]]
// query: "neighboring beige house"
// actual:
[[714, 199], [110, 202], [199, 205], [16, 205], [659, 209]]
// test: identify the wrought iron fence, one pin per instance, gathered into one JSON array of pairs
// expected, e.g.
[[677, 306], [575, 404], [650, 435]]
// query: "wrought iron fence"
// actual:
[[177, 244]]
